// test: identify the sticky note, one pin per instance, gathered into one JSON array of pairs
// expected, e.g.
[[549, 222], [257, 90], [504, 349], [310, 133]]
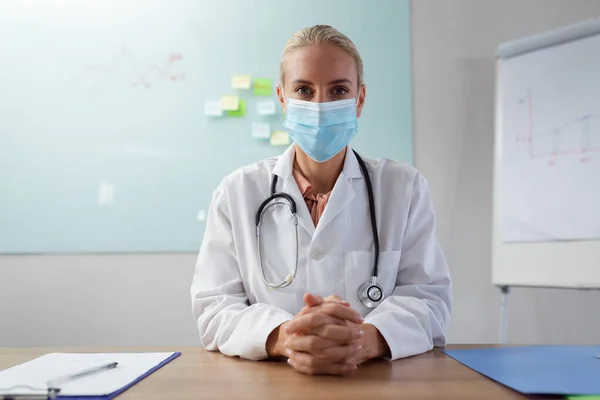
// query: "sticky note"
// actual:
[[212, 108], [241, 82], [266, 107], [280, 138], [262, 87], [230, 103], [240, 112], [261, 131]]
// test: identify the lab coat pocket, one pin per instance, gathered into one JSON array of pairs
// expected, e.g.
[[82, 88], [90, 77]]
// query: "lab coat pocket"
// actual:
[[359, 269]]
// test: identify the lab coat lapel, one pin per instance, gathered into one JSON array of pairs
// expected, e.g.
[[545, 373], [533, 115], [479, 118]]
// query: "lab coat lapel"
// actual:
[[304, 219], [287, 184], [342, 193]]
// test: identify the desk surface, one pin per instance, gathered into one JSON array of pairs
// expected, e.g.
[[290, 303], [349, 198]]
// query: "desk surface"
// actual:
[[198, 374]]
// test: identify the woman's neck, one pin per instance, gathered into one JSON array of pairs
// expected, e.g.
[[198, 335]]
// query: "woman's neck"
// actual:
[[322, 176]]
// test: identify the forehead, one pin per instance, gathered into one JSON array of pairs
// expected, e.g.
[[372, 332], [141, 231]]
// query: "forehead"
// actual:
[[321, 63]]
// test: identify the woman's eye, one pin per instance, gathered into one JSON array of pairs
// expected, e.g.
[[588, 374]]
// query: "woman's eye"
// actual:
[[303, 90], [339, 91]]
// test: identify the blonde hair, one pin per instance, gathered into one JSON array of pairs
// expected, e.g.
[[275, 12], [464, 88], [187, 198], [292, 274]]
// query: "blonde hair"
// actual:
[[322, 34]]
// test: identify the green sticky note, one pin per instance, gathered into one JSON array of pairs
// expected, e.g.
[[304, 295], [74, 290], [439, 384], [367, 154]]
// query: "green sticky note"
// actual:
[[240, 112], [262, 87]]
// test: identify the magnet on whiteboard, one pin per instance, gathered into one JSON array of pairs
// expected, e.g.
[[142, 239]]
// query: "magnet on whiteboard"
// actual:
[[201, 216], [106, 194]]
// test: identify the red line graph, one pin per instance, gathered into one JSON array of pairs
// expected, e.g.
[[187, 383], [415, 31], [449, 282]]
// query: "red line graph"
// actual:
[[579, 129], [125, 68], [530, 123]]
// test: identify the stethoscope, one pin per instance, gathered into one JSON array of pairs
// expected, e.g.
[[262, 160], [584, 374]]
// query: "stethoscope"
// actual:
[[370, 293]]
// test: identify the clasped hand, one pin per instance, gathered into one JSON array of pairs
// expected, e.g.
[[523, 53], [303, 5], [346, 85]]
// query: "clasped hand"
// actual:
[[325, 337]]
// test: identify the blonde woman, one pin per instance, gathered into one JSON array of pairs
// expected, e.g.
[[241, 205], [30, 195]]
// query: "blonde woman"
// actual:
[[321, 256]]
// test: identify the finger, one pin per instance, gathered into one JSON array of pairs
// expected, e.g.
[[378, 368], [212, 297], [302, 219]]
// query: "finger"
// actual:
[[311, 321], [307, 364], [340, 354], [340, 311], [309, 343], [311, 300], [334, 298], [338, 333], [308, 310], [324, 349], [358, 358]]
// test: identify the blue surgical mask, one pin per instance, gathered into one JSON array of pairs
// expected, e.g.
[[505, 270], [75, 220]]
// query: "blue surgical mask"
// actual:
[[321, 130]]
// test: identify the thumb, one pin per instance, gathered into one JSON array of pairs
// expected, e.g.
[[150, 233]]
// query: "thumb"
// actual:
[[311, 300], [334, 298]]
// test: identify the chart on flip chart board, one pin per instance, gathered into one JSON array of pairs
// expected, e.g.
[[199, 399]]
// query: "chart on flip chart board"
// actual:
[[547, 160], [551, 143]]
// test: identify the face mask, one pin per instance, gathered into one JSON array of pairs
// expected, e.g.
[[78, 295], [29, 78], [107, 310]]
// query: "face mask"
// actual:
[[321, 130]]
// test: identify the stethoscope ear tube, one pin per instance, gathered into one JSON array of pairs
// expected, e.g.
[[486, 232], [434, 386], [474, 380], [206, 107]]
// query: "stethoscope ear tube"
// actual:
[[274, 196], [363, 168], [265, 204]]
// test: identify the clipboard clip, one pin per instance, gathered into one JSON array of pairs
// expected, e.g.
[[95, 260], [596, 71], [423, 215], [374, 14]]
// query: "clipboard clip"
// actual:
[[53, 384]]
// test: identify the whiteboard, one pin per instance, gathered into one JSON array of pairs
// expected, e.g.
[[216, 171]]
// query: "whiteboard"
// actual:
[[104, 145], [547, 160]]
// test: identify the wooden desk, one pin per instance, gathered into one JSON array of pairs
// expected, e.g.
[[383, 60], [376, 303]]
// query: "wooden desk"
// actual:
[[198, 374]]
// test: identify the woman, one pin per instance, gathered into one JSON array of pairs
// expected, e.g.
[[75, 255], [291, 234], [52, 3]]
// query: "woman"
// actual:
[[323, 310]]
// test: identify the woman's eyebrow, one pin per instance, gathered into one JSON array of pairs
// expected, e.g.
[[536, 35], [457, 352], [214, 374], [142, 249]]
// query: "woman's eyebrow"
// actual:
[[303, 81], [338, 81], [333, 82]]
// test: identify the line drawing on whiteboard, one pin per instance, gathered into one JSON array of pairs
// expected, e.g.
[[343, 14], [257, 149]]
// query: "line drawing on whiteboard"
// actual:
[[579, 136], [125, 69]]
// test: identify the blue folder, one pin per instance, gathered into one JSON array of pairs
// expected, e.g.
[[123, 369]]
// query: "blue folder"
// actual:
[[124, 388], [548, 370]]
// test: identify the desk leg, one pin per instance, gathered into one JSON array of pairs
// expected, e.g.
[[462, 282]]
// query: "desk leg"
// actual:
[[503, 334]]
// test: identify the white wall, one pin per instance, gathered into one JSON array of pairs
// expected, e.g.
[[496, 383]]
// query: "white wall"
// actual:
[[453, 68], [98, 300], [143, 299]]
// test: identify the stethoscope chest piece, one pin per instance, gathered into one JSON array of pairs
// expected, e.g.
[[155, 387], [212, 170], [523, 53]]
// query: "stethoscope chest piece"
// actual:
[[370, 294]]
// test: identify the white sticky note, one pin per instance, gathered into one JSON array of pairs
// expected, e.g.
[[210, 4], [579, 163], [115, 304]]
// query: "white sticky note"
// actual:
[[266, 107], [280, 138], [106, 194], [201, 216], [241, 82], [212, 108], [261, 131]]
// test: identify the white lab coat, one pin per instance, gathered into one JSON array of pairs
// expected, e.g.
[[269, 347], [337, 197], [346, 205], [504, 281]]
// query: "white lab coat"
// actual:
[[236, 311]]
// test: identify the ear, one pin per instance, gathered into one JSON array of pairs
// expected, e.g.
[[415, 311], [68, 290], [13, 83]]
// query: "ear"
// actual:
[[280, 96], [362, 94]]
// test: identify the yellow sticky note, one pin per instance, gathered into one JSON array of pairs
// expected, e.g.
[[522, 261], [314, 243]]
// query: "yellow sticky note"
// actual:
[[240, 112], [230, 103], [280, 138], [241, 82], [263, 87]]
